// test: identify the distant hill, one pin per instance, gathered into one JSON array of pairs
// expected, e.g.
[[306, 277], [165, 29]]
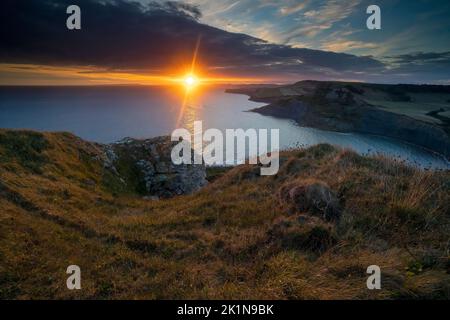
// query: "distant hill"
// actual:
[[310, 232], [417, 114]]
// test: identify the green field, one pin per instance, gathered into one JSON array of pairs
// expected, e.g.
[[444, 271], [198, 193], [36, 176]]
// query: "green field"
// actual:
[[421, 104]]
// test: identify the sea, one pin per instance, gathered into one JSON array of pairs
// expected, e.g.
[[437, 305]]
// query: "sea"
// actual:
[[107, 114]]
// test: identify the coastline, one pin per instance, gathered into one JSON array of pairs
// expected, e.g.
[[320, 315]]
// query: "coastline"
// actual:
[[348, 115]]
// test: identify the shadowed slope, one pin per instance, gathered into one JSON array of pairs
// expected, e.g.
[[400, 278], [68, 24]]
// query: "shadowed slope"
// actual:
[[308, 232]]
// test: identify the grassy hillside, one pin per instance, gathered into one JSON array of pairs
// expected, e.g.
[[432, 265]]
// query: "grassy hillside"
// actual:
[[307, 233]]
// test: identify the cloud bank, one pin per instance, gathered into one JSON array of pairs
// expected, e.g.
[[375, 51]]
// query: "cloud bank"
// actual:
[[160, 37]]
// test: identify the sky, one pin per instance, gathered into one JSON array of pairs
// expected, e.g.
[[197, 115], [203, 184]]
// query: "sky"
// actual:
[[336, 25], [249, 41]]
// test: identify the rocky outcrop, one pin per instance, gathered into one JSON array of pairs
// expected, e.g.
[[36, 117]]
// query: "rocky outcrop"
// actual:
[[147, 166], [313, 197]]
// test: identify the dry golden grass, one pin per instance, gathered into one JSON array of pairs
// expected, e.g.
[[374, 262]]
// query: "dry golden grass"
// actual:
[[233, 239]]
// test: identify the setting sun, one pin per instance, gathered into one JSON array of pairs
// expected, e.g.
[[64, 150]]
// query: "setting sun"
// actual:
[[190, 81]]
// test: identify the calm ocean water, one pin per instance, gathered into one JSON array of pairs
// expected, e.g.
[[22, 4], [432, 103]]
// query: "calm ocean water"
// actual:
[[108, 114]]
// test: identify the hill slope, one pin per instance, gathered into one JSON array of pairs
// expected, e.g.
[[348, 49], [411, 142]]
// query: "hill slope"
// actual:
[[309, 232]]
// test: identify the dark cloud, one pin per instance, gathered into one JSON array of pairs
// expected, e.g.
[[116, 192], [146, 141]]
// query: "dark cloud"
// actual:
[[422, 58], [177, 7], [155, 37], [420, 66]]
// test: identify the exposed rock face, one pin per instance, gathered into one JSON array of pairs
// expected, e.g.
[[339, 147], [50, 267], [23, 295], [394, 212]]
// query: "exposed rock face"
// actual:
[[362, 119], [314, 197], [148, 165]]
